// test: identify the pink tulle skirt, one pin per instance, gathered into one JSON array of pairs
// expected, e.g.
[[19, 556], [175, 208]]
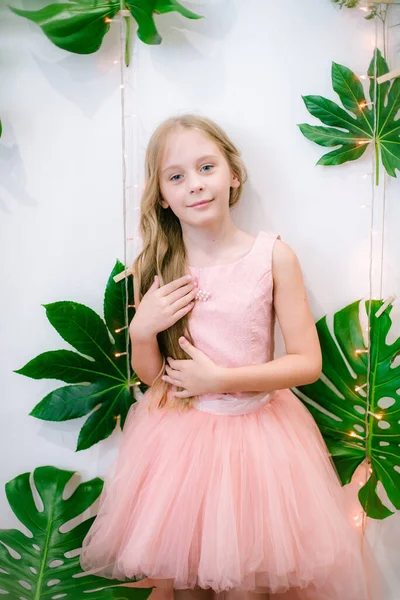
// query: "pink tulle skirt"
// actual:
[[245, 502]]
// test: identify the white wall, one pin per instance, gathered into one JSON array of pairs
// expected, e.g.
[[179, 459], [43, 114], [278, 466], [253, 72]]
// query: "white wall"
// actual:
[[246, 65]]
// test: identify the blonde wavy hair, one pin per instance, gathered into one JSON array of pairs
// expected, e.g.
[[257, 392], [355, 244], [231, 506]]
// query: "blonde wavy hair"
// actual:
[[163, 252]]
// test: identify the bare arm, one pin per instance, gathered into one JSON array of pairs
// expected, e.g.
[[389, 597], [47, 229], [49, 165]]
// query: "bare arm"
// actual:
[[146, 359], [303, 362]]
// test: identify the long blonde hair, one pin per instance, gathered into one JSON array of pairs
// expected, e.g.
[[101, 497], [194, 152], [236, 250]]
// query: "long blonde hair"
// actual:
[[163, 252]]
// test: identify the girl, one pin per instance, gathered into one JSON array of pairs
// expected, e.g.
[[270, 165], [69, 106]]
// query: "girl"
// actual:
[[223, 481]]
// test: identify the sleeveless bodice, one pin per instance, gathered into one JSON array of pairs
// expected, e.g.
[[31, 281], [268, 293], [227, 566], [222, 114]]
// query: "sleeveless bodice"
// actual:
[[234, 322]]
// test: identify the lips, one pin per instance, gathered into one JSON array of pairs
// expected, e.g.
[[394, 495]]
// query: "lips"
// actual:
[[200, 203]]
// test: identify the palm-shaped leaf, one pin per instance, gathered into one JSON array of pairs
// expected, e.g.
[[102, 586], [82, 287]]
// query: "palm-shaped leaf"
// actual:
[[355, 128], [46, 564], [80, 26], [353, 428], [99, 374]]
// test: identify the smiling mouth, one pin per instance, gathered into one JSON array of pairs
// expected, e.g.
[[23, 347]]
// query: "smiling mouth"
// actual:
[[201, 203]]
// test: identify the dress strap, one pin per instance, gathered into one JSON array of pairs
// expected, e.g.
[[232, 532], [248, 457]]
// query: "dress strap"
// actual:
[[267, 242]]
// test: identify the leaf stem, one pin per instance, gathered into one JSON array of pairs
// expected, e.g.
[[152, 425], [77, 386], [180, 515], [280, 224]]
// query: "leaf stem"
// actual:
[[128, 40], [376, 162]]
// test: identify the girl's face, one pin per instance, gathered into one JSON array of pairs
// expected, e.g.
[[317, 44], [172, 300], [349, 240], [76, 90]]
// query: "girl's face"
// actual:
[[192, 170]]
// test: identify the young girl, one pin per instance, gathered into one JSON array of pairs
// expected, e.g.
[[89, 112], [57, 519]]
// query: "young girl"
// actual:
[[223, 481]]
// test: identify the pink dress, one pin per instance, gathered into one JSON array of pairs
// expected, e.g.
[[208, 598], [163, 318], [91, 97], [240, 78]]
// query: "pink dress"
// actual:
[[239, 493]]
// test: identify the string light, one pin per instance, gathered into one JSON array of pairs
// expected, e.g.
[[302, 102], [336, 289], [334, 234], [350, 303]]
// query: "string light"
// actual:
[[362, 351], [360, 387], [120, 329], [353, 434], [374, 415], [118, 354]]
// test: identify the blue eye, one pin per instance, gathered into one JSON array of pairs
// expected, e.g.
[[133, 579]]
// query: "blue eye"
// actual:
[[174, 176]]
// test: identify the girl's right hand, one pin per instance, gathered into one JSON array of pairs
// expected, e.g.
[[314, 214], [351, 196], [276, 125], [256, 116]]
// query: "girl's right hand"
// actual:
[[162, 307]]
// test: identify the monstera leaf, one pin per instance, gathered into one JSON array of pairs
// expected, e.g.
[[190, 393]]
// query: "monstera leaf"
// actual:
[[80, 25], [357, 425], [353, 131], [99, 374], [46, 563]]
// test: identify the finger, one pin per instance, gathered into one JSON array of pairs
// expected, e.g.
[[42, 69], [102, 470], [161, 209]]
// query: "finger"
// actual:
[[184, 394], [170, 380], [171, 372], [178, 300], [175, 284], [156, 283], [187, 346]]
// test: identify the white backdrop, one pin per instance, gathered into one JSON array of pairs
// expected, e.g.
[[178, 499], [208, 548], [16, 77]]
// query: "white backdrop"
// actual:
[[246, 65]]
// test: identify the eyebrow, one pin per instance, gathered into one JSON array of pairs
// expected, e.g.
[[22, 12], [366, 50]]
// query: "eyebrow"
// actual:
[[213, 156]]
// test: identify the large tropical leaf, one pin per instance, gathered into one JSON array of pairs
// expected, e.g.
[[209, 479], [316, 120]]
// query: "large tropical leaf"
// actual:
[[98, 375], [355, 128], [357, 425], [80, 25], [45, 564]]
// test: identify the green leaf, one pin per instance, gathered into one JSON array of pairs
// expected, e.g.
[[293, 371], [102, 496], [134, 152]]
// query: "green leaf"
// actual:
[[81, 327], [73, 401], [100, 386], [354, 430], [166, 6], [74, 26], [80, 27], [357, 130], [115, 302], [101, 423], [371, 501], [32, 559], [63, 365]]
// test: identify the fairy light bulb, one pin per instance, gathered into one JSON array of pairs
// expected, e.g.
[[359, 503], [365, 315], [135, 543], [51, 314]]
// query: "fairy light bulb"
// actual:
[[354, 434], [120, 329], [375, 415], [363, 104], [360, 387]]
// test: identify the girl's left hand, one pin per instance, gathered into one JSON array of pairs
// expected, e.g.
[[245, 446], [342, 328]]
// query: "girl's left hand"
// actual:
[[200, 375]]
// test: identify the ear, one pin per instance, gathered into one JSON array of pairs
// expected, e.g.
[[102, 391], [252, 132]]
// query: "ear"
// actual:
[[164, 203], [235, 183]]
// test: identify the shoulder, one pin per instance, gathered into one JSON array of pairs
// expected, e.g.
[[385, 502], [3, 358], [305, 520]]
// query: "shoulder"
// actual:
[[283, 255], [284, 261]]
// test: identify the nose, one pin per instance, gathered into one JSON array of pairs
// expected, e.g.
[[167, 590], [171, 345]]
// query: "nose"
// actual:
[[195, 186]]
